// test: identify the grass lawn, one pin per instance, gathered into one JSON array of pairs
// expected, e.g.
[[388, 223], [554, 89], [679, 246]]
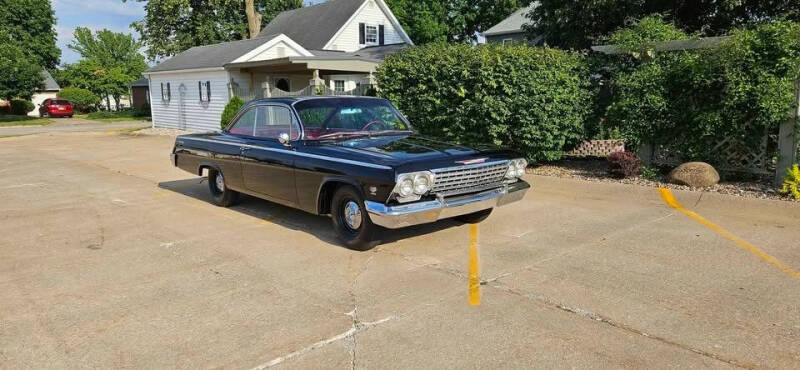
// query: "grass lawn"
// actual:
[[6, 120], [105, 116]]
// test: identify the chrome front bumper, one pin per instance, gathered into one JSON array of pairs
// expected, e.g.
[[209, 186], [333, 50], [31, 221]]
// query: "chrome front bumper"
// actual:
[[404, 215]]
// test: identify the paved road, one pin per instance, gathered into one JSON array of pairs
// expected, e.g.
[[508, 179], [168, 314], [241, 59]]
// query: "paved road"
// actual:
[[72, 125], [109, 257]]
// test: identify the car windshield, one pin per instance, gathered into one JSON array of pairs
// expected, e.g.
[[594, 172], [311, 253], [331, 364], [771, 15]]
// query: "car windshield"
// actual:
[[59, 102], [335, 118]]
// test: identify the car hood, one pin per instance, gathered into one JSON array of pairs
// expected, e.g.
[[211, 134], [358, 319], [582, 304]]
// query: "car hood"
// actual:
[[411, 151]]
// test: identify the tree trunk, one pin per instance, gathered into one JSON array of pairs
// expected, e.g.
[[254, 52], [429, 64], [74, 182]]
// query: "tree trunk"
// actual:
[[253, 18], [116, 102], [108, 103]]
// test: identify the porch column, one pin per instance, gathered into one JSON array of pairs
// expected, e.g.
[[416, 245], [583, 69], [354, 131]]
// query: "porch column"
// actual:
[[267, 89], [316, 82]]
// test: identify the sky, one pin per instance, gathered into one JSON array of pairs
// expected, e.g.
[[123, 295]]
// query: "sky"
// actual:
[[97, 15]]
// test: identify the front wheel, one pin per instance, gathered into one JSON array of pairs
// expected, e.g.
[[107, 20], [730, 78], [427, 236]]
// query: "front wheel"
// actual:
[[221, 195], [351, 221], [475, 218]]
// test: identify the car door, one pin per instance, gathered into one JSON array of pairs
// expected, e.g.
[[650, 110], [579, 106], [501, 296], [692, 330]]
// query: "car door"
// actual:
[[267, 164]]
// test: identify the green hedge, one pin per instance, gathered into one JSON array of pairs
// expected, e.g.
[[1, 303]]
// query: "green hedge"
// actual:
[[534, 100], [230, 111], [692, 99], [21, 107]]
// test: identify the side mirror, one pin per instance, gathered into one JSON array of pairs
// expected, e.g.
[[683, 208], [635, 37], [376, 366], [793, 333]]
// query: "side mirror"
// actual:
[[284, 139]]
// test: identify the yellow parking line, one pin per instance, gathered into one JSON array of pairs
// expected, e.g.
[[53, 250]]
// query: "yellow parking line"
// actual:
[[668, 198], [474, 276]]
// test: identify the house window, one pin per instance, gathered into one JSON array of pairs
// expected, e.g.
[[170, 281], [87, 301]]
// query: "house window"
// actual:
[[338, 85], [205, 91], [371, 35], [508, 41], [166, 93]]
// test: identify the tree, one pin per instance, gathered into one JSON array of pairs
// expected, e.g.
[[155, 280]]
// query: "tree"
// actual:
[[172, 26], [30, 24], [578, 24], [19, 75], [428, 21], [83, 100], [111, 61]]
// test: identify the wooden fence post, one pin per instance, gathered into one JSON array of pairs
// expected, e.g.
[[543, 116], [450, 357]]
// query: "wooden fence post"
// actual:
[[787, 140]]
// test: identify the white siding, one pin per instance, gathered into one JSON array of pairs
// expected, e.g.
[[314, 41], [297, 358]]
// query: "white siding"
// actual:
[[370, 14], [184, 110], [38, 98], [279, 50]]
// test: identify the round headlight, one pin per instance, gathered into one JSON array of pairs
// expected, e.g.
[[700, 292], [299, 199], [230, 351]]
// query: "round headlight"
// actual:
[[422, 184], [406, 187], [512, 170], [521, 166]]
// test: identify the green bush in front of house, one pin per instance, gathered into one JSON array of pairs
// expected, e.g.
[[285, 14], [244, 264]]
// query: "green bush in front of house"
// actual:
[[230, 111], [20, 107], [534, 100], [692, 100]]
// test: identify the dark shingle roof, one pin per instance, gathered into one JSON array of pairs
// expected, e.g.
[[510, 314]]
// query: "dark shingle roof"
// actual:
[[140, 83], [50, 83], [210, 56], [313, 26]]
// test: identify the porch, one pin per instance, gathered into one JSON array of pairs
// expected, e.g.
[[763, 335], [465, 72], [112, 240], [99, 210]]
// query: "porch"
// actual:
[[303, 76]]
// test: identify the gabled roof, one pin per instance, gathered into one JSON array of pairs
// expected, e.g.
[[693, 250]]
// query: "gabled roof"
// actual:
[[210, 56], [50, 83], [313, 26], [512, 24]]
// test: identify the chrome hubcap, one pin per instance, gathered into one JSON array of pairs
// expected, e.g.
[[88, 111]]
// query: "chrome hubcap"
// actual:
[[220, 182], [352, 215]]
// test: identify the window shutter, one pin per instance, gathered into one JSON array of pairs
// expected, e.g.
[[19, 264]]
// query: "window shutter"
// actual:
[[162, 92], [169, 92], [200, 88], [362, 33], [208, 90], [381, 37]]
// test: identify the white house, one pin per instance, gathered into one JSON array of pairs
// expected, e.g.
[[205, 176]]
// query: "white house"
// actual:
[[330, 48], [50, 91]]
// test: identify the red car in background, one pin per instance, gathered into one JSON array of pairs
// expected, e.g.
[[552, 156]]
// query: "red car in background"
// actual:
[[55, 108]]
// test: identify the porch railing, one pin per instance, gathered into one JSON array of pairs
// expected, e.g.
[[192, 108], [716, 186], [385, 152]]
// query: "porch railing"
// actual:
[[247, 94]]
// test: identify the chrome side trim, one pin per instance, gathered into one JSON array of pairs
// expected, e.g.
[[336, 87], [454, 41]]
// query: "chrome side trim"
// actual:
[[308, 155]]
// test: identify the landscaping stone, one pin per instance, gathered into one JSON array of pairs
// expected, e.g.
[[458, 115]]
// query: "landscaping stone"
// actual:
[[694, 174]]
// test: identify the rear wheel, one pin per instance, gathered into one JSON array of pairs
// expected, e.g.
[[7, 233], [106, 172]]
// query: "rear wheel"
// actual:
[[351, 221], [221, 195], [475, 218]]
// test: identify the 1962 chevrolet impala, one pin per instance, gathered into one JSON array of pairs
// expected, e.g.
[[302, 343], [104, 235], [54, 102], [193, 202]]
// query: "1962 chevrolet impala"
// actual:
[[355, 159]]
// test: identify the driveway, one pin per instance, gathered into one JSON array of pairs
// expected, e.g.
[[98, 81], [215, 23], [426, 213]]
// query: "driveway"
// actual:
[[72, 125], [109, 257]]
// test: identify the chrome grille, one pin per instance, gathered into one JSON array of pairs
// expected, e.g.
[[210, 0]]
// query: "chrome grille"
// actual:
[[469, 179]]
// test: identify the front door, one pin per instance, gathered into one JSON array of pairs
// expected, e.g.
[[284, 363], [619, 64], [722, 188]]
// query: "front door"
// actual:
[[268, 165]]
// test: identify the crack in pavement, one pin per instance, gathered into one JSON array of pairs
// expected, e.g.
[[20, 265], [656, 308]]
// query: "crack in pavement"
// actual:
[[618, 325]]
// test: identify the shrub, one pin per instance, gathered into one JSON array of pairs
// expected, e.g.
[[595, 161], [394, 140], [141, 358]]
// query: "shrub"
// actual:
[[693, 99], [230, 111], [21, 107], [650, 173], [82, 100], [791, 184], [624, 164], [533, 100]]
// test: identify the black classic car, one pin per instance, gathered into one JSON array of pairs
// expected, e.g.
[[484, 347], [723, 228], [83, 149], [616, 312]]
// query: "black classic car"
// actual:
[[355, 159]]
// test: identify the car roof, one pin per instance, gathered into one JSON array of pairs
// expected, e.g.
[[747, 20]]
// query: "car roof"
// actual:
[[294, 99]]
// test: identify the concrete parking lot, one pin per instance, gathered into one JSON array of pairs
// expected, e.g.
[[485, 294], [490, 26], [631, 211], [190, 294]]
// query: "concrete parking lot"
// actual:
[[109, 257]]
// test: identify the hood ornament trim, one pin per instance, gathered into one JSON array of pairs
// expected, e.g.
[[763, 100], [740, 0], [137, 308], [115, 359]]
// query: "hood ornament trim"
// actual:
[[473, 161]]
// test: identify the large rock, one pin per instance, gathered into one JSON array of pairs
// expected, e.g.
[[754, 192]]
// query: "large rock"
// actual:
[[694, 174]]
